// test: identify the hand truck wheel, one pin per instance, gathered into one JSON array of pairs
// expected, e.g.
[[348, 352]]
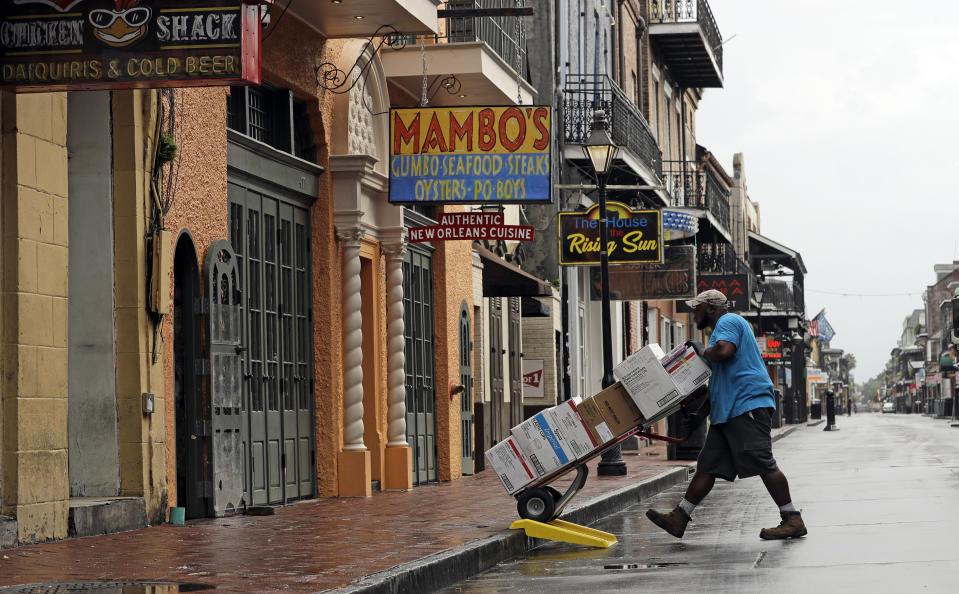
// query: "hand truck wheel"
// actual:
[[537, 504]]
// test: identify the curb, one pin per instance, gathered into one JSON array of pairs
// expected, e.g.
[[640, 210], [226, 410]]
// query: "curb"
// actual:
[[442, 569], [449, 567]]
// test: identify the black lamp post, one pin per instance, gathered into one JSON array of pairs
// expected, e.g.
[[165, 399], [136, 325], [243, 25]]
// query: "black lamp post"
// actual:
[[600, 150]]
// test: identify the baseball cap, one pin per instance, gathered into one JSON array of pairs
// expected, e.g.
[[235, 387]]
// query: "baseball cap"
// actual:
[[710, 297]]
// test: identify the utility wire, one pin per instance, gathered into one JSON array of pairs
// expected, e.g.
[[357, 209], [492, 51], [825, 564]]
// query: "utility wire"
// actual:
[[277, 23], [865, 294]]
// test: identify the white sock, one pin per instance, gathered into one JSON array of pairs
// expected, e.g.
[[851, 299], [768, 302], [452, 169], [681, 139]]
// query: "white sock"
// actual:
[[687, 506], [789, 507]]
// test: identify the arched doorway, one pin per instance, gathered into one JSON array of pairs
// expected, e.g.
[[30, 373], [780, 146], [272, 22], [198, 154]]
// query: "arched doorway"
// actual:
[[186, 391]]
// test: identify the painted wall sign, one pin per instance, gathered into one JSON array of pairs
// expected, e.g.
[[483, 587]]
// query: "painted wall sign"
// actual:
[[472, 226], [634, 236], [533, 386], [470, 154], [63, 45], [675, 278]]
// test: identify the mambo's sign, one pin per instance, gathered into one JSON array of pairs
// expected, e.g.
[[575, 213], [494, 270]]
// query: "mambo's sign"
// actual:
[[473, 226], [634, 236], [470, 154], [61, 45]]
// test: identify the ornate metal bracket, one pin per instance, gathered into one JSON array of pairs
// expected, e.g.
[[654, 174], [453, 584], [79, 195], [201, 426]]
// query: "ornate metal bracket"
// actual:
[[335, 80]]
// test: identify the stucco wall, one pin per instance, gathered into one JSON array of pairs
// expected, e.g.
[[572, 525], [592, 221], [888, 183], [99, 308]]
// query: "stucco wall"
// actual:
[[200, 207], [452, 284]]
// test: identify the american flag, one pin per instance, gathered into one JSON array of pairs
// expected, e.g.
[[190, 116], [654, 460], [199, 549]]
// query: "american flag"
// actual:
[[820, 326]]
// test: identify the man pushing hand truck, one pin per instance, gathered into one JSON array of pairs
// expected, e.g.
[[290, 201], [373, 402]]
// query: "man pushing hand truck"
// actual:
[[740, 408]]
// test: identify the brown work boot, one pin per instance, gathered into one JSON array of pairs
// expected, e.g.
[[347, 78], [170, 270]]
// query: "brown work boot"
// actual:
[[792, 526], [673, 522]]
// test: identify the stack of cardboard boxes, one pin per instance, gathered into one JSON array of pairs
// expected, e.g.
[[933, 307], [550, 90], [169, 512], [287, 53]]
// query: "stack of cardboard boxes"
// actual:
[[651, 385]]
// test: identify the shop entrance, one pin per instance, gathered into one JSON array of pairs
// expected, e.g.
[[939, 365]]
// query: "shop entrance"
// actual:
[[270, 232], [420, 388]]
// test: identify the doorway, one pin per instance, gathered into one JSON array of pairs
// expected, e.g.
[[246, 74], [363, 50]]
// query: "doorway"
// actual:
[[466, 396], [186, 389]]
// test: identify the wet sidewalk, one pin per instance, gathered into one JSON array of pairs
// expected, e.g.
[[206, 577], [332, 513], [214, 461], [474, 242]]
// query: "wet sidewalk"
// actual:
[[395, 541]]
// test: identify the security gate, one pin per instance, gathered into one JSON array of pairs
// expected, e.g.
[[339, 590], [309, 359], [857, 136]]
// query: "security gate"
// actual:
[[271, 238], [223, 294], [420, 389], [466, 396]]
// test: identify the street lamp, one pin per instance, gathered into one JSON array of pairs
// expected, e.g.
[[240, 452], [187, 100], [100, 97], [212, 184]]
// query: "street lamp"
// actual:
[[600, 150]]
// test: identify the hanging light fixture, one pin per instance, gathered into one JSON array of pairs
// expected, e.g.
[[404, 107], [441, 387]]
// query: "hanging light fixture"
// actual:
[[599, 147]]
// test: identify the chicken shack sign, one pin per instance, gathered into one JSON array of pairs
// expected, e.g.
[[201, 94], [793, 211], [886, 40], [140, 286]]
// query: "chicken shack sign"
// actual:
[[64, 45], [470, 154]]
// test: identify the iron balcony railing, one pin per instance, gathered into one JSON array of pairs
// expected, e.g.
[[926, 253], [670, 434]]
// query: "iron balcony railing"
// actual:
[[691, 11], [693, 184], [719, 258], [504, 35], [585, 93], [783, 296]]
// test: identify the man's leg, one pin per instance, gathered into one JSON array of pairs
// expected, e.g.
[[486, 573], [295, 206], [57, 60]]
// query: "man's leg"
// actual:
[[700, 486], [714, 460], [778, 487]]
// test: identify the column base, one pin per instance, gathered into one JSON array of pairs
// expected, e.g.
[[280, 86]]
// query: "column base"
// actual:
[[354, 473], [399, 468]]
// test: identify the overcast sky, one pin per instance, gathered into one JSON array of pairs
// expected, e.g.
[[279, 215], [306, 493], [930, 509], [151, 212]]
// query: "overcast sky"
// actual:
[[847, 115]]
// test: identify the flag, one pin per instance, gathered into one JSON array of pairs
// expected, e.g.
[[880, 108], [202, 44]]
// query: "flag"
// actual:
[[823, 328]]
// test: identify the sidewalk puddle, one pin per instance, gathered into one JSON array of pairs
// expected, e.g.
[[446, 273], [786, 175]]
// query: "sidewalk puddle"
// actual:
[[105, 588], [641, 565]]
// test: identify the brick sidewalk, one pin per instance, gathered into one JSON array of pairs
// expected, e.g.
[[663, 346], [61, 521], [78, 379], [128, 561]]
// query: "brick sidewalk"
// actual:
[[310, 546]]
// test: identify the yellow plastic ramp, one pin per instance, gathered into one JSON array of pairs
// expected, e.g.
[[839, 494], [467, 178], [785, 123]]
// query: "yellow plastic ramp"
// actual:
[[565, 532]]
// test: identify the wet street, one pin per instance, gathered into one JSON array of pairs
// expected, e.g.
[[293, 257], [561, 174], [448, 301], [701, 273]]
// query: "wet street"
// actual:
[[879, 498]]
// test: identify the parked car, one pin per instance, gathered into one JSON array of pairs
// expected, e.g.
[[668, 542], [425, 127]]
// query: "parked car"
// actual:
[[888, 407]]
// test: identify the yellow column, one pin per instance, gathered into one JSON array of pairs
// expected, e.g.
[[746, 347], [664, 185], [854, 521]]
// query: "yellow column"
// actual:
[[141, 437], [34, 303]]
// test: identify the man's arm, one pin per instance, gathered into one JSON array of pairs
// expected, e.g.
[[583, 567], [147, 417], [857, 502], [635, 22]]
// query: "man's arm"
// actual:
[[720, 351]]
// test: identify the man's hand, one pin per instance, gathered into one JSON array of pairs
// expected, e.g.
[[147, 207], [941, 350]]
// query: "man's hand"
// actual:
[[696, 346], [700, 351]]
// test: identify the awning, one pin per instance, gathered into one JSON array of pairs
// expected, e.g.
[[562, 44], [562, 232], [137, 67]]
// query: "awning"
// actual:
[[762, 246], [534, 308], [502, 279]]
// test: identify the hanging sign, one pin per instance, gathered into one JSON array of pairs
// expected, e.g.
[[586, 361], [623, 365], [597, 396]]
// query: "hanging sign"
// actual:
[[733, 286], [770, 347], [470, 154], [675, 278], [473, 226], [69, 45], [634, 236]]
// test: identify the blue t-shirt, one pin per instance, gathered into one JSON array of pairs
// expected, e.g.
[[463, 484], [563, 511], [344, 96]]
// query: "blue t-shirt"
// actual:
[[740, 383]]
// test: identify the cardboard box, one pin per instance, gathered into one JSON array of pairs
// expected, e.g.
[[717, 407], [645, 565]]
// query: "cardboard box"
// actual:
[[648, 383], [568, 425], [510, 465], [611, 413], [687, 369], [554, 437]]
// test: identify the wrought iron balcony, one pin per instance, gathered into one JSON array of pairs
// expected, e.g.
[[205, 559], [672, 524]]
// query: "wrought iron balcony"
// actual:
[[504, 35], [783, 297], [585, 93], [719, 258], [686, 36], [694, 184]]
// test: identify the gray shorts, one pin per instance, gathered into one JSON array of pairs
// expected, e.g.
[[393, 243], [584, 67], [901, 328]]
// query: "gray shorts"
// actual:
[[742, 446]]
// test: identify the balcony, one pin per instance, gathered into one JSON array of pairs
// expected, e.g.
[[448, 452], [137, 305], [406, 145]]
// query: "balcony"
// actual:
[[719, 258], [484, 53], [686, 37], [361, 18], [585, 93], [783, 297], [694, 184]]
